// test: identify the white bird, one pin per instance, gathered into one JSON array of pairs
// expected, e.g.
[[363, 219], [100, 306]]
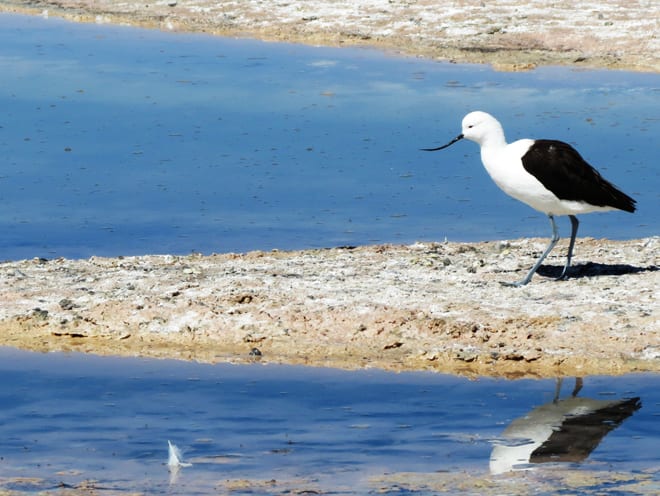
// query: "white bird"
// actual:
[[548, 175]]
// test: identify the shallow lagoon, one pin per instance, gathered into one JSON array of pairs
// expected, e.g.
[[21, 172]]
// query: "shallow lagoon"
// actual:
[[121, 141], [69, 418]]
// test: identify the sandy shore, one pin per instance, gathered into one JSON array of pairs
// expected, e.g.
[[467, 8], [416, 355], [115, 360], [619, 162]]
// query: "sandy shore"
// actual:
[[509, 34], [426, 306]]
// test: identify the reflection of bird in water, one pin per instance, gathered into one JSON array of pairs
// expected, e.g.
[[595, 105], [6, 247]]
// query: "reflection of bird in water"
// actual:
[[565, 430]]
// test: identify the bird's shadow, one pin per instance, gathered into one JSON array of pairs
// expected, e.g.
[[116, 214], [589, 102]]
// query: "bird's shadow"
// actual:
[[592, 269]]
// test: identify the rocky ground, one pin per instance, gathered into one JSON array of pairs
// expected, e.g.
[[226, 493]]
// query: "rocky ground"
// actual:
[[424, 306]]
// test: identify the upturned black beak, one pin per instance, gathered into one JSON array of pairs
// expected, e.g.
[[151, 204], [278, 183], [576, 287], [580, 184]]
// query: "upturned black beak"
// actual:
[[457, 138]]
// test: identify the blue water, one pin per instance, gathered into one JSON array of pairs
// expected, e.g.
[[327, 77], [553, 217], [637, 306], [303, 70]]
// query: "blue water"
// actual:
[[119, 141], [68, 418]]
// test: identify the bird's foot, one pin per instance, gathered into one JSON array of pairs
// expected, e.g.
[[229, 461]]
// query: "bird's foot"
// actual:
[[516, 284]]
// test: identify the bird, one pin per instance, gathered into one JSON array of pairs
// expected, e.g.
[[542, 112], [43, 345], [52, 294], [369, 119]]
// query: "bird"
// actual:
[[563, 430], [547, 174]]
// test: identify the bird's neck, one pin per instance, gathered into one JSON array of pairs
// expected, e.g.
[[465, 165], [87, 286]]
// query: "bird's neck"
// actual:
[[493, 140]]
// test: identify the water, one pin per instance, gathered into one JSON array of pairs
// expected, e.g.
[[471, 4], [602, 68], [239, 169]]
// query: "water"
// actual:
[[121, 141], [70, 418]]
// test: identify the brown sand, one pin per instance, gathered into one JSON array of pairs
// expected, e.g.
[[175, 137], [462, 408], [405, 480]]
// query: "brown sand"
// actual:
[[424, 306]]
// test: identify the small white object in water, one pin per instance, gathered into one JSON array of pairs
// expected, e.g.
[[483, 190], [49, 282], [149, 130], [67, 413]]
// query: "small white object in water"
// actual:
[[174, 459]]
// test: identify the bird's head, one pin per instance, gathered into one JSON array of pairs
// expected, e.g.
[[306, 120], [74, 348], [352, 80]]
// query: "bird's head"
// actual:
[[477, 126]]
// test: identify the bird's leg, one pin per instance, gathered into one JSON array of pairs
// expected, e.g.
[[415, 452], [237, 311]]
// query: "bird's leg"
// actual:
[[578, 386], [551, 245], [558, 384], [574, 227]]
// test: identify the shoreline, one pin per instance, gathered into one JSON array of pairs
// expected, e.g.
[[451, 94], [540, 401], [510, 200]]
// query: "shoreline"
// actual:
[[426, 306], [512, 36]]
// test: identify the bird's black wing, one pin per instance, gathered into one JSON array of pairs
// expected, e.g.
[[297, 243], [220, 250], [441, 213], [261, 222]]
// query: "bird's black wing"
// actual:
[[561, 169], [578, 435]]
